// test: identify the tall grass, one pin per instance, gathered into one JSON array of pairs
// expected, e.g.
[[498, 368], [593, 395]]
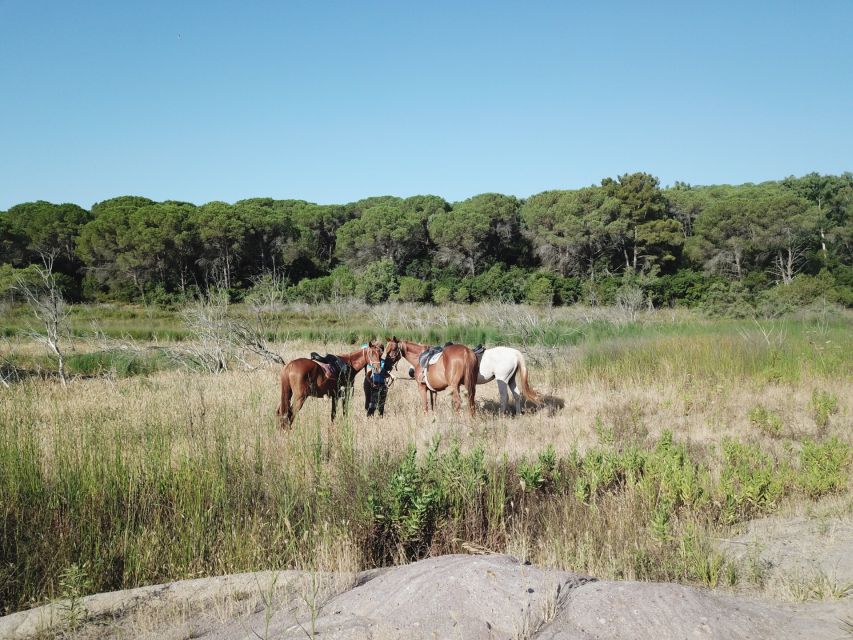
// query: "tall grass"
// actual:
[[169, 474], [138, 508]]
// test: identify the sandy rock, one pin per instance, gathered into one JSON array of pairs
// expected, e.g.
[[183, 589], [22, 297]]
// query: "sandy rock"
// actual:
[[469, 597]]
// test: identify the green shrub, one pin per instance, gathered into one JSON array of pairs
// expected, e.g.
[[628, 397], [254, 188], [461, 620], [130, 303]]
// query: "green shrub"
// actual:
[[824, 404], [731, 300], [378, 282], [601, 291], [540, 291], [462, 295], [750, 482], [442, 295], [311, 290], [567, 290], [413, 290], [766, 421], [824, 468], [123, 364]]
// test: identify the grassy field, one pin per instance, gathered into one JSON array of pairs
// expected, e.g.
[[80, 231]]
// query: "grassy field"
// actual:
[[662, 432]]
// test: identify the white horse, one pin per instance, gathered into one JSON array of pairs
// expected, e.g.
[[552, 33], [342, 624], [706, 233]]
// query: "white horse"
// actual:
[[507, 366]]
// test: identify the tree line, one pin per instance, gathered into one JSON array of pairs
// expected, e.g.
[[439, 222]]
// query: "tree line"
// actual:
[[791, 240]]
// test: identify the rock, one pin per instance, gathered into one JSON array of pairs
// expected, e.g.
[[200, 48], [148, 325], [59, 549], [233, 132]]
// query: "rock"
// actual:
[[457, 596]]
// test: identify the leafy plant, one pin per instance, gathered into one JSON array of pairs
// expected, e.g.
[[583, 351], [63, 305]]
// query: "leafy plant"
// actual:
[[824, 404], [766, 421]]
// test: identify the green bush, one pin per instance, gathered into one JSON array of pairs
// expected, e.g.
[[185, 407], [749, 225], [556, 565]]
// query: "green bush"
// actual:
[[121, 363], [540, 291], [567, 290], [766, 421], [824, 404], [728, 299], [413, 290], [378, 282], [601, 291], [824, 468], [462, 295], [442, 295], [311, 290], [344, 282]]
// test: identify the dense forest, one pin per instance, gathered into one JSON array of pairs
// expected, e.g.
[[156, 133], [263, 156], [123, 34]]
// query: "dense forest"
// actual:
[[728, 248]]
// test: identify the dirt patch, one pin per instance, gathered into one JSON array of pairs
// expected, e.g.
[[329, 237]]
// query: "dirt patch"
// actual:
[[800, 557]]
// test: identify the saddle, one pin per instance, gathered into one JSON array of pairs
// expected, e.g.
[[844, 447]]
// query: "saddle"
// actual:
[[334, 367], [428, 357], [479, 350]]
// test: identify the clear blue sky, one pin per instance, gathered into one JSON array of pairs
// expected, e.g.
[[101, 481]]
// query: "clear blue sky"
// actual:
[[334, 101]]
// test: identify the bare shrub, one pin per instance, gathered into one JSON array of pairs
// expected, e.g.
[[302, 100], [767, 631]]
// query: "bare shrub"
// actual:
[[47, 303]]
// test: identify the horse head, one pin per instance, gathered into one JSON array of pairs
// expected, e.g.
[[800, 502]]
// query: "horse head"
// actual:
[[373, 351], [393, 350]]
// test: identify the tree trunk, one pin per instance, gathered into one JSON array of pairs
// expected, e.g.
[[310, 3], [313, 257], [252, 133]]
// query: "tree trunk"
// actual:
[[635, 251]]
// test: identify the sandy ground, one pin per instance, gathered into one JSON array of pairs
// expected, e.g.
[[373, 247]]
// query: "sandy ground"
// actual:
[[454, 596]]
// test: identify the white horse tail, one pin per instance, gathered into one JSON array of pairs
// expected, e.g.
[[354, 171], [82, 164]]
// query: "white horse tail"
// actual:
[[526, 390]]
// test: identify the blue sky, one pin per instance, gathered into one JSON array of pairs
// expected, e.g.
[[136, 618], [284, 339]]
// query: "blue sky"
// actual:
[[334, 101]]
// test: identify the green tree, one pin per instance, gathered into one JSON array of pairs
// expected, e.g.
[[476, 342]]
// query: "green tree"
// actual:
[[642, 231], [103, 240], [312, 250], [223, 231], [478, 232], [36, 229], [145, 246], [394, 229], [567, 229]]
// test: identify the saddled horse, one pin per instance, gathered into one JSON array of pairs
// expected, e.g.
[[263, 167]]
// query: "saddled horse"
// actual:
[[507, 366], [457, 366], [303, 377]]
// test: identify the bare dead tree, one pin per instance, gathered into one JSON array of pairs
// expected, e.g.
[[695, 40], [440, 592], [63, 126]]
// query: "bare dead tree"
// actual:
[[218, 338], [206, 319], [8, 370], [245, 337], [787, 263], [45, 299], [630, 300]]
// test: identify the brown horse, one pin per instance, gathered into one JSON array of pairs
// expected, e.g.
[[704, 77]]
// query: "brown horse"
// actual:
[[457, 366], [302, 377]]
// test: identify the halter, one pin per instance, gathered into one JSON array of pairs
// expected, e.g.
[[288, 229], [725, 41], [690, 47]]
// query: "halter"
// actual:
[[399, 352], [365, 348]]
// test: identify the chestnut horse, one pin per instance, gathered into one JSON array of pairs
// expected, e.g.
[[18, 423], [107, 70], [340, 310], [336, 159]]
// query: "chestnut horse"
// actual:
[[457, 366], [302, 377]]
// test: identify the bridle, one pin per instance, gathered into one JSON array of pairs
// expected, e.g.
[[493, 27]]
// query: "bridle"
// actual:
[[396, 353], [377, 364]]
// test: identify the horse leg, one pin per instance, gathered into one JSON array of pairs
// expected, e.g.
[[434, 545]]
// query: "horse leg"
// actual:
[[423, 389], [502, 389], [432, 400], [284, 411], [294, 408], [334, 406], [516, 394], [457, 399]]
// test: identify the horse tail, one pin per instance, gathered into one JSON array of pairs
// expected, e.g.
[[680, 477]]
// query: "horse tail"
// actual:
[[472, 370], [526, 390]]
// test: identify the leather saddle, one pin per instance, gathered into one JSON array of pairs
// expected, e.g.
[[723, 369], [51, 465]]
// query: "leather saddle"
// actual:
[[334, 367]]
